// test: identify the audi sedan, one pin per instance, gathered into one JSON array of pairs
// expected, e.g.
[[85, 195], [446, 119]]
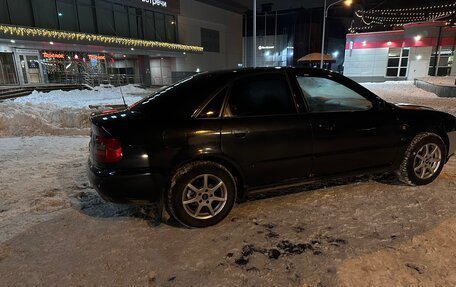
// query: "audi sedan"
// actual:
[[211, 139]]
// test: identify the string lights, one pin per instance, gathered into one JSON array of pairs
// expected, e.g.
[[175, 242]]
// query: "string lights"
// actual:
[[393, 18], [54, 35]]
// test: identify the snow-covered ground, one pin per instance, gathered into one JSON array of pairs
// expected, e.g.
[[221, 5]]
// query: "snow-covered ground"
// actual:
[[55, 230]]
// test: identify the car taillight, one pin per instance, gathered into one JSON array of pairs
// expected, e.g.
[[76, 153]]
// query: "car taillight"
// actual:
[[109, 112], [107, 150]]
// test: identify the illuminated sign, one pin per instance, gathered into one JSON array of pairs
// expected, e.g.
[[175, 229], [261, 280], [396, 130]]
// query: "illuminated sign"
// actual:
[[168, 6], [97, 57], [53, 55], [156, 3], [265, 47]]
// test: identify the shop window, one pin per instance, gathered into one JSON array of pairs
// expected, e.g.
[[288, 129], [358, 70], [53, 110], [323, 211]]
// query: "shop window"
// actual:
[[66, 12], [105, 18], [160, 27], [441, 61], [86, 16], [7, 71], [21, 12], [44, 12], [210, 40], [149, 31], [397, 62], [69, 67], [4, 15], [170, 29]]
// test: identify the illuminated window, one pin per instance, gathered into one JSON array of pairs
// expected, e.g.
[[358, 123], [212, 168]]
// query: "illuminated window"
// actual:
[[441, 61], [397, 62]]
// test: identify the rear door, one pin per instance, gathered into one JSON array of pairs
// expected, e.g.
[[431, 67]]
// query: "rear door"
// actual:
[[263, 132], [352, 129]]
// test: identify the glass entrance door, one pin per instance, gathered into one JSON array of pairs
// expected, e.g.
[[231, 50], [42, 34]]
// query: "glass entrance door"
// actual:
[[31, 69]]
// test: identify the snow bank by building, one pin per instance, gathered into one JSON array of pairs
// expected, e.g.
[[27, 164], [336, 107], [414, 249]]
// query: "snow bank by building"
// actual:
[[407, 92], [440, 81], [60, 112], [105, 95]]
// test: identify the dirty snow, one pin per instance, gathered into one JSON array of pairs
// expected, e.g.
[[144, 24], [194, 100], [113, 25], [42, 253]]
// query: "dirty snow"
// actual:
[[60, 112], [407, 92], [368, 231], [441, 81], [82, 99]]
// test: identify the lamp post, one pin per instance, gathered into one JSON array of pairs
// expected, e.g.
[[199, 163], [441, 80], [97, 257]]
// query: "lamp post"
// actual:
[[254, 35], [325, 15]]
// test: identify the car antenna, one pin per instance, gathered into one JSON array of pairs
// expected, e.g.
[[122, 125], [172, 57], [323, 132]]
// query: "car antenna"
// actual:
[[123, 98]]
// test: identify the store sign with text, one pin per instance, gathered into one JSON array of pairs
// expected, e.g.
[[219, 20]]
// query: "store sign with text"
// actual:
[[97, 57], [169, 6], [156, 3], [52, 55]]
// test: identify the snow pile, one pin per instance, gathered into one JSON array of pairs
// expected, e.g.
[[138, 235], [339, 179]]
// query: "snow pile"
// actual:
[[60, 112], [441, 81], [105, 95], [407, 92], [43, 119]]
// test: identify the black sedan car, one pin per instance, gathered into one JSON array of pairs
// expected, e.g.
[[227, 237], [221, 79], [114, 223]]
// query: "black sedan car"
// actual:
[[203, 143]]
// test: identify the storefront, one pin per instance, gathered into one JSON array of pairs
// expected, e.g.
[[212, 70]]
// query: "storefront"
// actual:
[[421, 49], [114, 41]]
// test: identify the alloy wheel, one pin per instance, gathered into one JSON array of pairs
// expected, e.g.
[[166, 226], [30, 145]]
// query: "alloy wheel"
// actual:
[[204, 196], [427, 161]]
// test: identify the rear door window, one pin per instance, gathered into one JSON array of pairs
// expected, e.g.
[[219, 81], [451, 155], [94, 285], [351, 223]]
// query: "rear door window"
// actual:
[[261, 95], [213, 109]]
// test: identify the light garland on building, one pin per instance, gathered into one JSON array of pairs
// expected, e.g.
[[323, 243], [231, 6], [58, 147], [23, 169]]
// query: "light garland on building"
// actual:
[[55, 35], [401, 10], [394, 18]]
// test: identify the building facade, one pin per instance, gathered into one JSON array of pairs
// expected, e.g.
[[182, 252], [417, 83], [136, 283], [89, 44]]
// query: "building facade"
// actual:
[[152, 42], [285, 36], [419, 50]]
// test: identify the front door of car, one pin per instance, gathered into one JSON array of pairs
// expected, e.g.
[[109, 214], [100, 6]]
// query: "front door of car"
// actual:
[[263, 132], [351, 130]]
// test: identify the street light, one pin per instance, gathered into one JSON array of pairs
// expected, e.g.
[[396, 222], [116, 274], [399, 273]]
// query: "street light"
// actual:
[[325, 15], [254, 33]]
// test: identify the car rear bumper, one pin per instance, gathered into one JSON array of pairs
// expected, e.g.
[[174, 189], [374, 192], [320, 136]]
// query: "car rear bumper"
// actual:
[[137, 187], [452, 146]]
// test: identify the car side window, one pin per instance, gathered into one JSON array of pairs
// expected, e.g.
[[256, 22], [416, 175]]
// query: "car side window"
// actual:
[[326, 95], [213, 108], [261, 95]]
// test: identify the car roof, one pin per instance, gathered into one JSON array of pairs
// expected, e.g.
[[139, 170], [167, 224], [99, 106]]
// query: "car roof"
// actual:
[[247, 71]]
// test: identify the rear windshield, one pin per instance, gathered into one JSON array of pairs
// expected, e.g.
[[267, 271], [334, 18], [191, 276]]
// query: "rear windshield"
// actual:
[[182, 99]]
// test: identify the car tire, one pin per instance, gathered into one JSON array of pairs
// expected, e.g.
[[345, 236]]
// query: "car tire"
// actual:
[[201, 194], [423, 160]]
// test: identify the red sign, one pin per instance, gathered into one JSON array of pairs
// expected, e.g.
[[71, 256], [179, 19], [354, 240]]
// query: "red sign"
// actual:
[[97, 57], [53, 55]]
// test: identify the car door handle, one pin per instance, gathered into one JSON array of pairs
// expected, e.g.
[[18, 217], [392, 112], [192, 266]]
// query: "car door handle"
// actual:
[[240, 133], [372, 130], [329, 127]]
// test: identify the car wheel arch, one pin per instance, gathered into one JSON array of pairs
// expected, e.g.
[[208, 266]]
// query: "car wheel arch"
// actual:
[[232, 167], [440, 132]]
